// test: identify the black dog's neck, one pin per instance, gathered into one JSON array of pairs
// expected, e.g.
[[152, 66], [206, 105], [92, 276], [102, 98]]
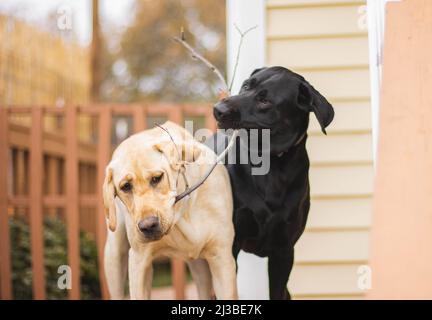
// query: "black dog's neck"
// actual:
[[279, 144], [288, 175], [294, 158], [301, 141]]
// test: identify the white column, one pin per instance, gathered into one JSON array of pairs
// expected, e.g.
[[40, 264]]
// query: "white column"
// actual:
[[376, 28], [252, 278], [245, 14]]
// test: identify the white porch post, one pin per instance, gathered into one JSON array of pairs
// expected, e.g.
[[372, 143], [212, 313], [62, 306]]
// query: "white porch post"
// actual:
[[252, 276], [376, 29]]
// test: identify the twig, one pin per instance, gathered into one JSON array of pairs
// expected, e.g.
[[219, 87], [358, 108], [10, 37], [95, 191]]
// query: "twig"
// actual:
[[242, 35], [197, 56], [178, 153], [171, 137], [209, 171], [189, 190]]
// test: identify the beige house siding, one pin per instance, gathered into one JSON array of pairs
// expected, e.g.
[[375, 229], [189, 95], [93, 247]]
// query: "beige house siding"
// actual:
[[322, 40]]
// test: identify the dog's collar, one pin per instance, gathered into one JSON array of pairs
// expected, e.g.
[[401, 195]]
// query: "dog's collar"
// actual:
[[295, 144]]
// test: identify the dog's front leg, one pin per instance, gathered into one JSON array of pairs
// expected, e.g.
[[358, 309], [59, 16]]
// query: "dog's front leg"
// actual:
[[116, 260], [223, 269], [140, 275], [279, 268], [201, 275]]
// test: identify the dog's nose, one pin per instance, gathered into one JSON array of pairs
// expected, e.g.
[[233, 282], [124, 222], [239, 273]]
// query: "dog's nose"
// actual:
[[220, 110], [149, 226]]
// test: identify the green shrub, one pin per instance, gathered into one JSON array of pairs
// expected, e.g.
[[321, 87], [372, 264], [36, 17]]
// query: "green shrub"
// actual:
[[55, 245]]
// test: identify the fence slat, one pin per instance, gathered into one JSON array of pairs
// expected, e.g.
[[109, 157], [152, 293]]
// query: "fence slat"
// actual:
[[175, 115], [53, 181], [139, 119], [20, 173], [177, 266], [210, 121], [5, 259], [104, 152], [36, 215], [72, 203], [178, 274]]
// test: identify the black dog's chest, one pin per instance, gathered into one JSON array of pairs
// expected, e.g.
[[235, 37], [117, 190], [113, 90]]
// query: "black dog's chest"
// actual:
[[269, 210], [271, 188]]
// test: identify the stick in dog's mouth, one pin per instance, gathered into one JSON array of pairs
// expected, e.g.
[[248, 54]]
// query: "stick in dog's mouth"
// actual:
[[219, 158]]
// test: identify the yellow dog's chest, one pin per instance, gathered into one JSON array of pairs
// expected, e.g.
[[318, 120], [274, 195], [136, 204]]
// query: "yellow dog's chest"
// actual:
[[184, 241]]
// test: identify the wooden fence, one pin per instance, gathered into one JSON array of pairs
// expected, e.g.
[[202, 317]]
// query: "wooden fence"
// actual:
[[43, 171]]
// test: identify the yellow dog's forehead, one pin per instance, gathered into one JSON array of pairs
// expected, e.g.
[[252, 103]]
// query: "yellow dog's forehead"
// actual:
[[137, 155]]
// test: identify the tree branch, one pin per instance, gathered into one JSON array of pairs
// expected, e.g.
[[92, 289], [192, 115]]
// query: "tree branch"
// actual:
[[226, 92], [242, 35], [197, 56]]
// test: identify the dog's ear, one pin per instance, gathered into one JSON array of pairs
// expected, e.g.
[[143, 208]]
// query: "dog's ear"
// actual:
[[256, 70], [108, 191], [309, 99], [188, 151]]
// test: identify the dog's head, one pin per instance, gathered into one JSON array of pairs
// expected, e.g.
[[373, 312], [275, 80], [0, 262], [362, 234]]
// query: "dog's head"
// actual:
[[278, 99], [144, 174]]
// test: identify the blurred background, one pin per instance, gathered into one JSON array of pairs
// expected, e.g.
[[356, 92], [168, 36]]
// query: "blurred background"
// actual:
[[64, 53], [125, 53]]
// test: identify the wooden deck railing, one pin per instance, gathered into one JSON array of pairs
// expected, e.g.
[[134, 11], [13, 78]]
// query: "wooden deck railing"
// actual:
[[44, 170]]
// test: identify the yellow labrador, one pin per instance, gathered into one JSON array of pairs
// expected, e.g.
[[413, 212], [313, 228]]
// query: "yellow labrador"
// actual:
[[145, 174]]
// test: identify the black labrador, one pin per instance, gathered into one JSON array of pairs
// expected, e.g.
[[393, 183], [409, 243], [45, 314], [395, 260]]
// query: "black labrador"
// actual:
[[270, 210]]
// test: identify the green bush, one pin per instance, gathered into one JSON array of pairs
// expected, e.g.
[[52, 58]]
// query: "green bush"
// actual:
[[55, 245]]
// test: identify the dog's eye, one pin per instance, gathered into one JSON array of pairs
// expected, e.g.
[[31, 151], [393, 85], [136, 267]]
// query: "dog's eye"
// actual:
[[249, 84], [263, 102], [127, 187], [156, 179]]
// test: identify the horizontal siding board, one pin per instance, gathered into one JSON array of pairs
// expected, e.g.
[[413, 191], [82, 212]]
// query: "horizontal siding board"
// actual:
[[344, 180], [340, 213], [340, 84], [328, 279], [332, 246], [340, 148], [349, 117], [307, 21], [318, 53]]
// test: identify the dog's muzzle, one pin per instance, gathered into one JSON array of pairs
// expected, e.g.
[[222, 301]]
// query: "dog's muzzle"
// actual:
[[226, 117], [150, 227], [221, 110]]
